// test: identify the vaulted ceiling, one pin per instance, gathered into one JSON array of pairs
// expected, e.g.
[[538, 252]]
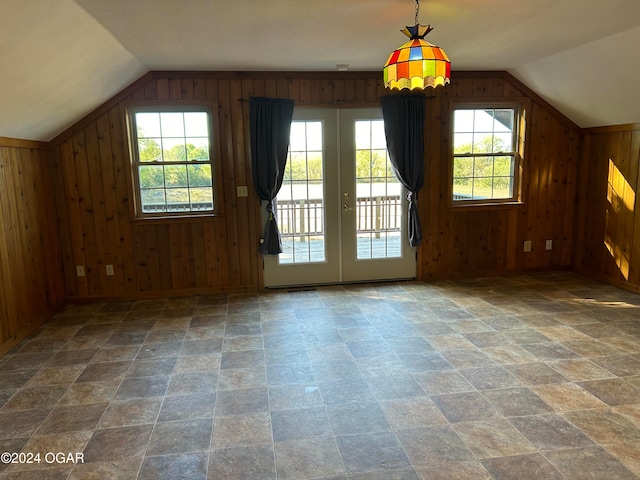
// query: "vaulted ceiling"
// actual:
[[60, 59]]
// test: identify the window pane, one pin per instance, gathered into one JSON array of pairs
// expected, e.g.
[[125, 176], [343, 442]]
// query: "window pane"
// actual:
[[199, 175], [482, 187], [298, 137], [379, 164], [483, 167], [363, 164], [504, 120], [178, 199], [314, 136], [149, 149], [202, 198], [483, 121], [153, 200], [173, 150], [175, 176], [463, 167], [148, 124], [197, 149], [151, 176], [502, 187], [483, 143], [503, 142], [463, 121], [298, 162], [462, 188], [172, 124], [363, 134], [314, 166], [503, 166], [196, 124], [378, 138], [462, 142]]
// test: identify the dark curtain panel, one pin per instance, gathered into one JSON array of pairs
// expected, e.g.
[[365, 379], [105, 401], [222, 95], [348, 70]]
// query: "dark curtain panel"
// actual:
[[404, 128], [270, 126]]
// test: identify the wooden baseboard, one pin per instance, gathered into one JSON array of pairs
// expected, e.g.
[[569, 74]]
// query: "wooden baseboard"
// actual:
[[165, 293], [489, 273], [630, 287], [11, 342]]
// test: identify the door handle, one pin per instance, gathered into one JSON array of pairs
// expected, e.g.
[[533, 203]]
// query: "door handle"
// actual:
[[346, 207]]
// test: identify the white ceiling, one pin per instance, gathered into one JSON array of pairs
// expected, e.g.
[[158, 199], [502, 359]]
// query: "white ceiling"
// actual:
[[62, 58]]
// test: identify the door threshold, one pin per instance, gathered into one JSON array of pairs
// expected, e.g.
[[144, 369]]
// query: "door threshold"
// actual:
[[314, 286]]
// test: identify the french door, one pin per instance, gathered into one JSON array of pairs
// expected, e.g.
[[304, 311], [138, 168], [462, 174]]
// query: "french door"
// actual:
[[341, 211]]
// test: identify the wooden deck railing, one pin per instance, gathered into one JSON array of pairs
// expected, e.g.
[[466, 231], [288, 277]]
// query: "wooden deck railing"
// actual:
[[306, 217]]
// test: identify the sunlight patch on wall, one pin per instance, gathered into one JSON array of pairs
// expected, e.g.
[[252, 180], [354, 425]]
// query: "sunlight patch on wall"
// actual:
[[621, 200]]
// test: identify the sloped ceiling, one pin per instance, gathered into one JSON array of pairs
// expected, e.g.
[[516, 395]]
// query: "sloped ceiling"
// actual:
[[60, 59], [57, 63]]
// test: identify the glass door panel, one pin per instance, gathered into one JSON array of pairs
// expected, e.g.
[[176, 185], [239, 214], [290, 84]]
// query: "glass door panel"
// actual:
[[306, 207], [301, 206], [374, 218], [378, 205]]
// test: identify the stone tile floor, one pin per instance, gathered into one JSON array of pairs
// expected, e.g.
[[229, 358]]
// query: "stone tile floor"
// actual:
[[530, 377]]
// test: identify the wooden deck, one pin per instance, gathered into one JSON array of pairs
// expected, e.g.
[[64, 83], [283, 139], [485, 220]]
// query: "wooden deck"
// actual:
[[313, 250]]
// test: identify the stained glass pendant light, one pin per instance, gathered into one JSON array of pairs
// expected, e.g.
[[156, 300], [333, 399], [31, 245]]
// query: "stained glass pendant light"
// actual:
[[417, 63]]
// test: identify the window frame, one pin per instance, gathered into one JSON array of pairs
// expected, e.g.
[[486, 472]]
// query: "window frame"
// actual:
[[520, 106], [131, 109]]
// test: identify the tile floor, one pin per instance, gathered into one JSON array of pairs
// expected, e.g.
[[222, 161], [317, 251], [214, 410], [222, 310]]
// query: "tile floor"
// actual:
[[532, 377]]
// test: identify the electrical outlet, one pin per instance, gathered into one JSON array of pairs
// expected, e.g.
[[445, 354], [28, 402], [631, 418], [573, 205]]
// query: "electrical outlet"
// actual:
[[549, 244], [527, 245], [109, 269], [242, 191], [80, 271]]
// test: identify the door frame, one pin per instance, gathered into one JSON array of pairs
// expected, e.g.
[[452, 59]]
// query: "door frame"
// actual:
[[330, 271], [335, 152], [363, 270]]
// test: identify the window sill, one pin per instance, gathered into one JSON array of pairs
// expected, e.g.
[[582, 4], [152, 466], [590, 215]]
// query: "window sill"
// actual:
[[486, 205], [178, 219]]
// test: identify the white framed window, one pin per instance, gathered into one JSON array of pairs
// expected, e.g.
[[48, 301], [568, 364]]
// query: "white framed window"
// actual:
[[172, 166], [486, 154]]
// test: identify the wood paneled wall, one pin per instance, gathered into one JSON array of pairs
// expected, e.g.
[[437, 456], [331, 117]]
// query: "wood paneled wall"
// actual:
[[470, 241], [31, 281], [219, 254], [607, 241]]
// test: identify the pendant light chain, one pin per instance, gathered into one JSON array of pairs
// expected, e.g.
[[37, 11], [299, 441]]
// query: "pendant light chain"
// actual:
[[417, 11]]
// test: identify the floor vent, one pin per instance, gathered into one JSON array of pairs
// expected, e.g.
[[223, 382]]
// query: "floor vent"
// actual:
[[302, 289]]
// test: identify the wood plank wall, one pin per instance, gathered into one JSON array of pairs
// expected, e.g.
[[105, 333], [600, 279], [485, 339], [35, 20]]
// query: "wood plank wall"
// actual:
[[219, 254], [31, 280], [607, 241], [473, 241]]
